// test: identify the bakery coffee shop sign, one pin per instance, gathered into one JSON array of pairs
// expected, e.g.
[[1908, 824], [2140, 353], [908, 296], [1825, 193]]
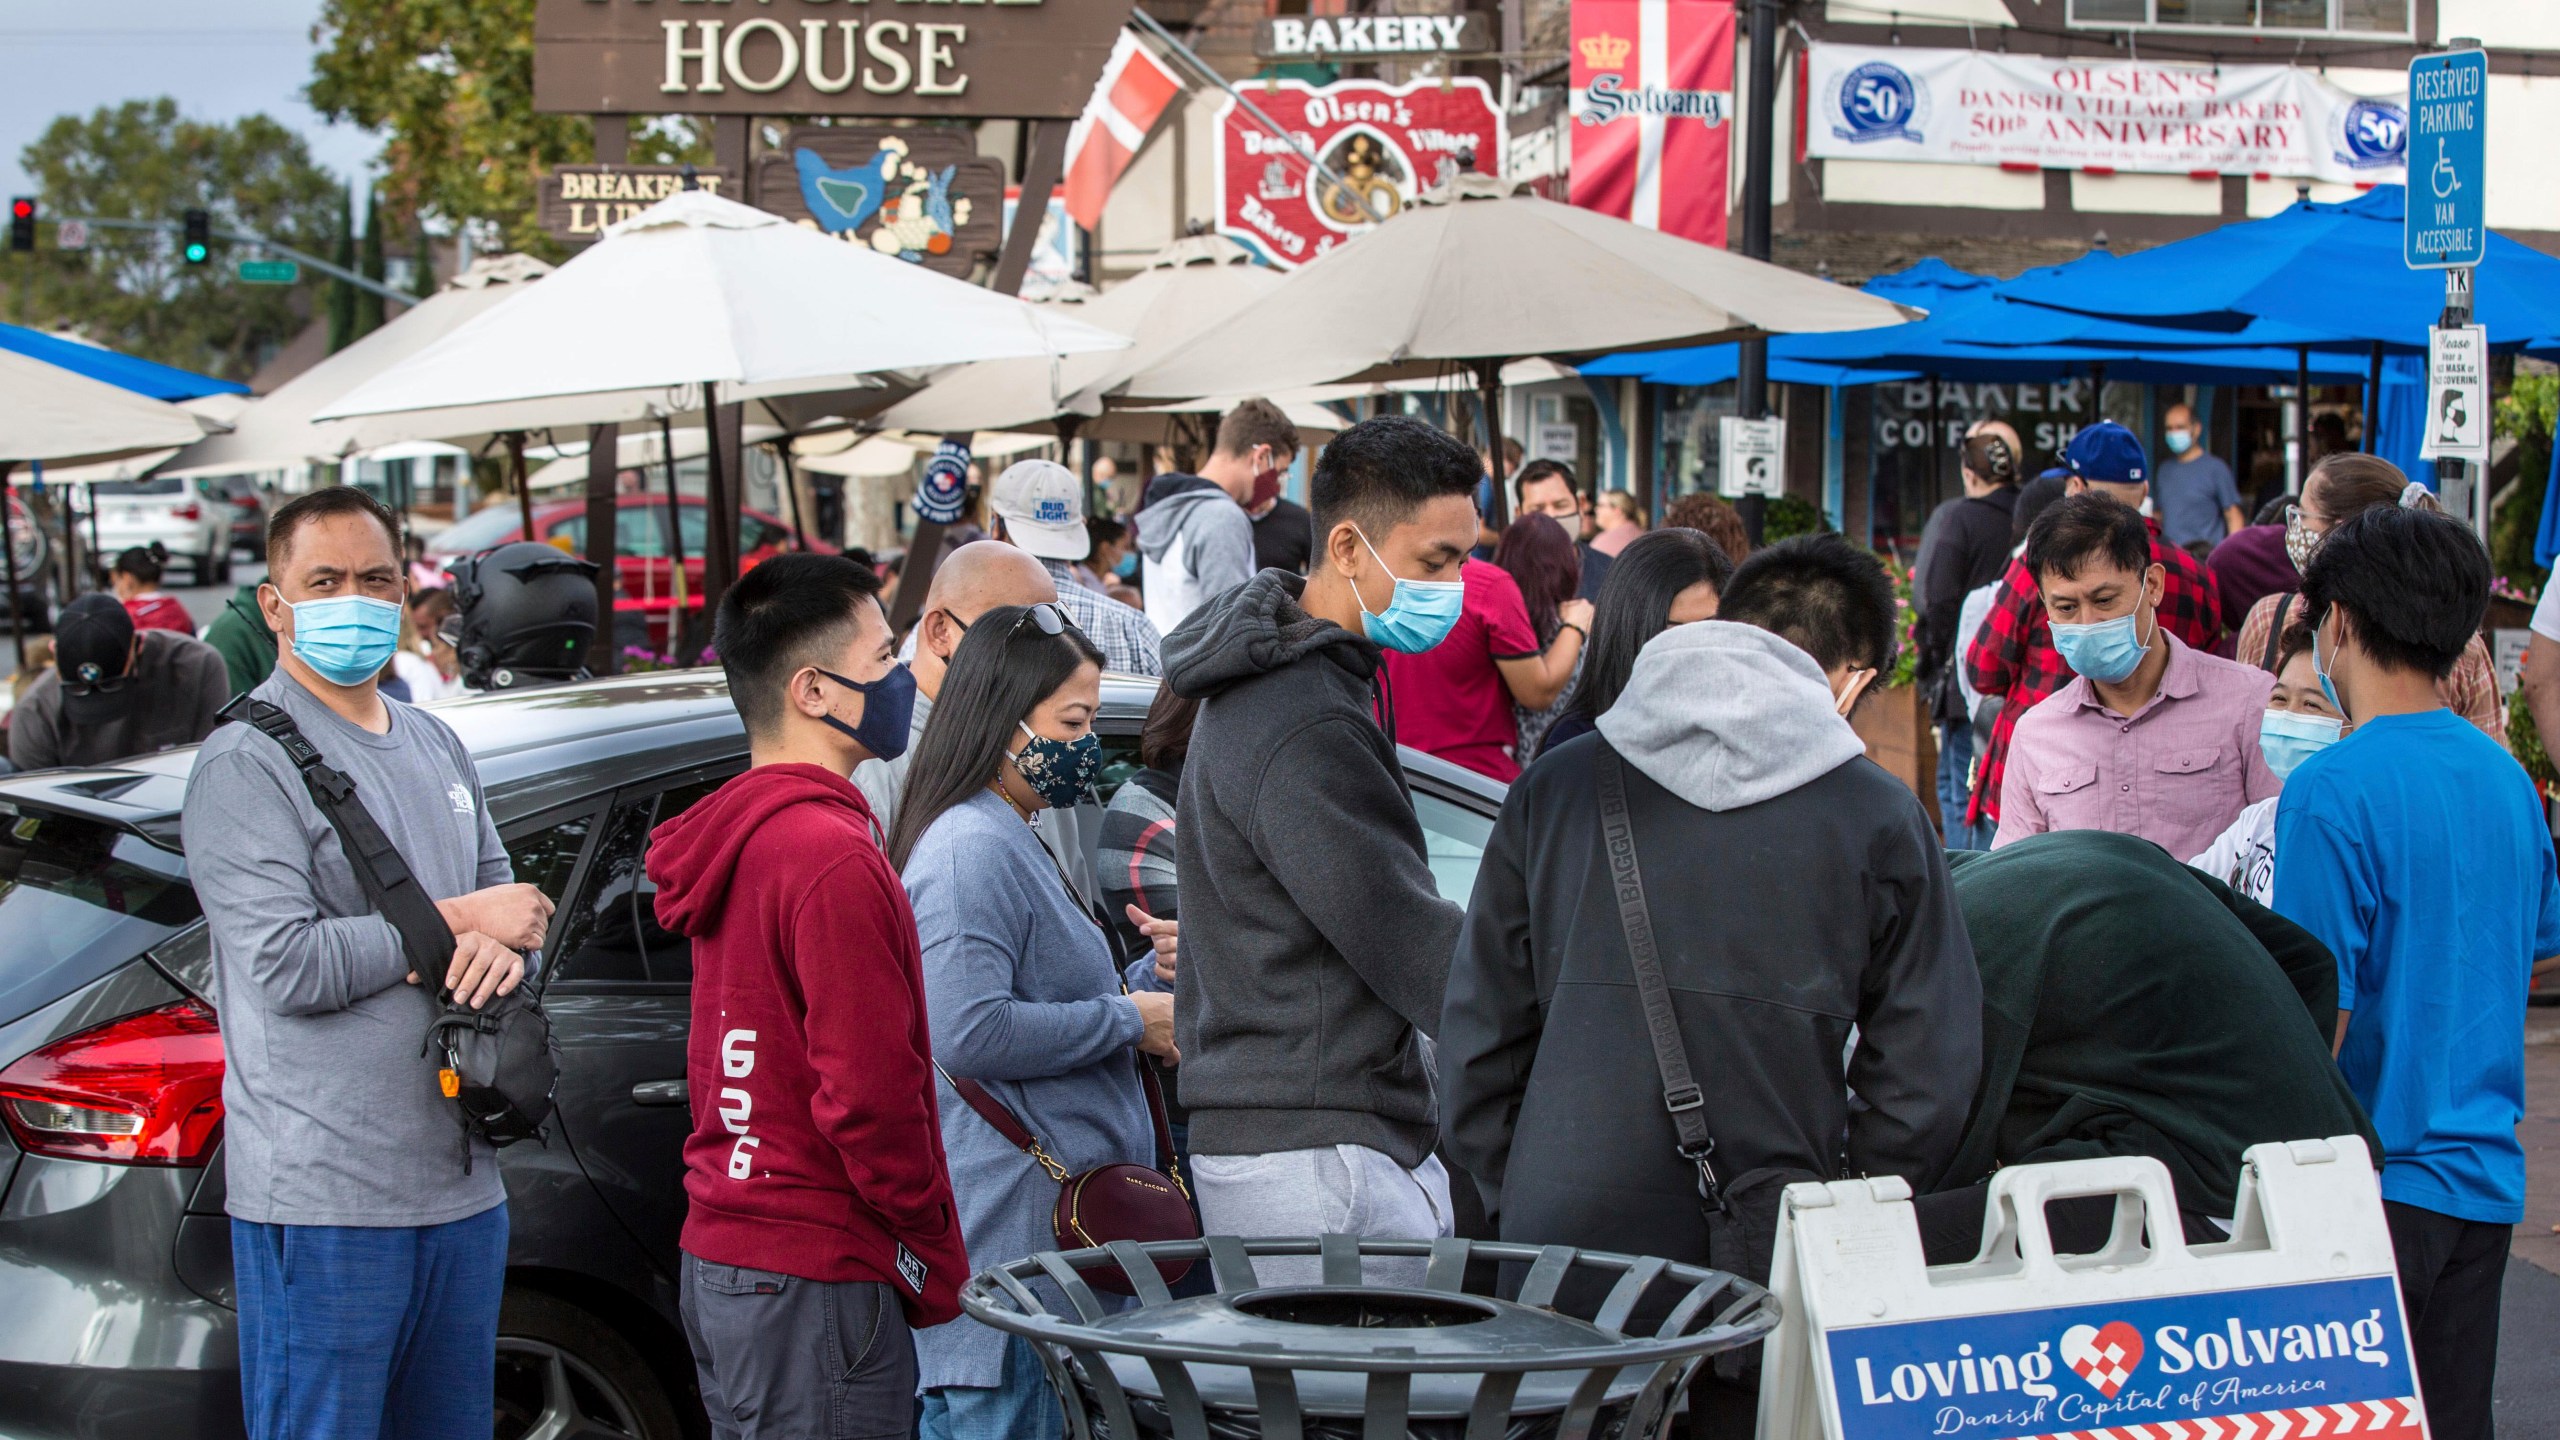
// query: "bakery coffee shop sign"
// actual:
[[948, 59]]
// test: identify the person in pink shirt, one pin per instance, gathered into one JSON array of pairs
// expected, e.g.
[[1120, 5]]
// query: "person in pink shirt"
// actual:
[[1454, 700], [2152, 738]]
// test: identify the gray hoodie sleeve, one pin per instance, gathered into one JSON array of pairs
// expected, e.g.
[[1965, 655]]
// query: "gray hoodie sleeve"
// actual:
[[256, 886], [1363, 884], [1222, 557], [1919, 1055]]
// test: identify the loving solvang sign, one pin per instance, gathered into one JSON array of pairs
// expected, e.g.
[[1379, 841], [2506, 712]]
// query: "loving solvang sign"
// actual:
[[951, 59], [1965, 106]]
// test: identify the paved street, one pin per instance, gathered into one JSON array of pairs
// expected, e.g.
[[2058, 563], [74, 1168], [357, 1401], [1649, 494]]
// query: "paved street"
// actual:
[[205, 601]]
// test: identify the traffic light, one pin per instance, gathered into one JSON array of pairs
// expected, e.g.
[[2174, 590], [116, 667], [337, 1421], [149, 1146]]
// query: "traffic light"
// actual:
[[22, 222], [198, 246]]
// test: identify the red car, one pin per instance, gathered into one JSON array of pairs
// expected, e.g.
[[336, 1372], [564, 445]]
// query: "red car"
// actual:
[[639, 544]]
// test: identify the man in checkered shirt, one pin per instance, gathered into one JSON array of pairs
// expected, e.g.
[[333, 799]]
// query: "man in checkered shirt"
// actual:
[[1039, 506], [2012, 655]]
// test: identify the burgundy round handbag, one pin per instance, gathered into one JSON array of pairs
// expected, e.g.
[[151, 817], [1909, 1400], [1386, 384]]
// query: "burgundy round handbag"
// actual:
[[1107, 1202]]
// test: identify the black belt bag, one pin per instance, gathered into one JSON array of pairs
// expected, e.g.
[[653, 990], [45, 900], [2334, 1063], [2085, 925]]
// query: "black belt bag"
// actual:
[[499, 1064], [1741, 1215]]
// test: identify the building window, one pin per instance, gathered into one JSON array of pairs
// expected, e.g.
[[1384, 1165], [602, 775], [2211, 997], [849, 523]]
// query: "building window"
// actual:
[[2287, 17]]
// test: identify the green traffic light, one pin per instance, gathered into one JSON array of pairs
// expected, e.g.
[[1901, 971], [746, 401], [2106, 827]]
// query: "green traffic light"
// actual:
[[196, 254]]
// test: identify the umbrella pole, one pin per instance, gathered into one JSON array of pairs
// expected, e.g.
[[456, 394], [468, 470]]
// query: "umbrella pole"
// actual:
[[1067, 426], [1489, 398], [9, 543], [2299, 453], [2373, 401], [70, 548], [719, 509], [791, 492], [604, 463], [675, 536], [524, 492], [93, 527]]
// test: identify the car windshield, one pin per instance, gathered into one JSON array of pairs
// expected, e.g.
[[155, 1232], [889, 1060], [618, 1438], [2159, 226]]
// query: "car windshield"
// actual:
[[156, 485], [475, 533], [78, 899]]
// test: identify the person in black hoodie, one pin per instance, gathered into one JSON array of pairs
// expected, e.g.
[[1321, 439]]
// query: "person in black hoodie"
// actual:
[[1314, 943], [1964, 547], [1796, 890]]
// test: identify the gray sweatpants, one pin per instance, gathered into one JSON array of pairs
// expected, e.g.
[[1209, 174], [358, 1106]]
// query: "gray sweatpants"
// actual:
[[1335, 1190], [783, 1358]]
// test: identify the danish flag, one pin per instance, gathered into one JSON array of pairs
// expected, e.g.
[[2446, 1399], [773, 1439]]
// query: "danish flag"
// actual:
[[1134, 92]]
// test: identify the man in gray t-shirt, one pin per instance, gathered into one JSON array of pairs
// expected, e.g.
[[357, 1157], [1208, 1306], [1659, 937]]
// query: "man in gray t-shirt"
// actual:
[[368, 1239], [2198, 501]]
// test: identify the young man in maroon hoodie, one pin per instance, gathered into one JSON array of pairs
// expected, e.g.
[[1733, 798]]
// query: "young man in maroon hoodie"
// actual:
[[821, 1226]]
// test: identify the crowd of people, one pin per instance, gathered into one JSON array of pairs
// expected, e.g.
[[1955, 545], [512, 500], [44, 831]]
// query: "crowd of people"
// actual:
[[935, 978]]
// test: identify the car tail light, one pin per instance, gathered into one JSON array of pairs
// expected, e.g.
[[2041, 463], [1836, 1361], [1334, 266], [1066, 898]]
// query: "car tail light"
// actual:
[[143, 1090], [245, 502], [188, 511]]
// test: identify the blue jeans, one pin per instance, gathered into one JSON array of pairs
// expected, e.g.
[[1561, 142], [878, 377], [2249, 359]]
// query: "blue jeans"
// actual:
[[1955, 790], [1022, 1408], [351, 1332]]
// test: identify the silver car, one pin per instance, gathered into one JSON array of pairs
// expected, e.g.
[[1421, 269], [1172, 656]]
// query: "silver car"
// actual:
[[195, 530]]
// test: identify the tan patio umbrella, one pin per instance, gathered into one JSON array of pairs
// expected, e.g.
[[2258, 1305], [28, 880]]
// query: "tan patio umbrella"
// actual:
[[1478, 273]]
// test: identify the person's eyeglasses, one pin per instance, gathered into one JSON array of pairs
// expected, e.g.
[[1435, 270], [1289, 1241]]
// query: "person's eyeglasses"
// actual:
[[109, 686]]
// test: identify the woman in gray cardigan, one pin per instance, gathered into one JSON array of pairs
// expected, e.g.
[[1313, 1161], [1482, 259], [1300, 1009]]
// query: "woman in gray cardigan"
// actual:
[[1020, 984]]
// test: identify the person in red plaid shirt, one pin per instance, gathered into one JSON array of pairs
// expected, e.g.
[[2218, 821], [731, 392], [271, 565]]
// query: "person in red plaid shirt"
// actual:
[[2012, 655]]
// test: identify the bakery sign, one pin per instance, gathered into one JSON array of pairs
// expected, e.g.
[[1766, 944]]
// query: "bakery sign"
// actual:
[[1384, 143], [946, 59], [1341, 37]]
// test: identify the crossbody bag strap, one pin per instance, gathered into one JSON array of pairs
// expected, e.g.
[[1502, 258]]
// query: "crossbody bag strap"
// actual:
[[1680, 1093], [998, 1115], [379, 866], [2275, 633]]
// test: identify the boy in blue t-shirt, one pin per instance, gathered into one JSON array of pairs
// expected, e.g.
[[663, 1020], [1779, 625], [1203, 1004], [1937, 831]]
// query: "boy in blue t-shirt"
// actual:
[[2416, 850]]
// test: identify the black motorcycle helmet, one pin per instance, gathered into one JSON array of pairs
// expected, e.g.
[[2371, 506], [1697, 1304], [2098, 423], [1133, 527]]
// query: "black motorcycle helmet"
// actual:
[[526, 616]]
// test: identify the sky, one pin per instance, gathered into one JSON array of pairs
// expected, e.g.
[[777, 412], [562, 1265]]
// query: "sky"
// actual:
[[220, 61]]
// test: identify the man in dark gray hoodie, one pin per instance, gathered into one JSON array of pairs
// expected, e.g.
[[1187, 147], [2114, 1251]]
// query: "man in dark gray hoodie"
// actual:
[[1314, 943], [1796, 891]]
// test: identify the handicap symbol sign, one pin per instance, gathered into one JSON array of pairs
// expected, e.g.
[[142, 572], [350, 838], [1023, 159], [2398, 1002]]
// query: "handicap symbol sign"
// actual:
[[2446, 223]]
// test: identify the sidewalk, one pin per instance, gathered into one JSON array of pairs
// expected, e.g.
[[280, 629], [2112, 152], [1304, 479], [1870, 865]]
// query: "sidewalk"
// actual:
[[2529, 1327], [2540, 1134]]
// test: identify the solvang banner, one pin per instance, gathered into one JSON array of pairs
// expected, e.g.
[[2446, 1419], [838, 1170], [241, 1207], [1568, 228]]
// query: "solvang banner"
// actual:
[[1971, 107], [1652, 102]]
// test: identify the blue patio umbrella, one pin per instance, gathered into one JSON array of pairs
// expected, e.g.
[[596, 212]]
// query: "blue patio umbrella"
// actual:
[[2333, 269], [125, 372]]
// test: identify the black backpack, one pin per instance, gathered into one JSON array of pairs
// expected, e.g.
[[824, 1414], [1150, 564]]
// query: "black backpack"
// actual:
[[501, 1064]]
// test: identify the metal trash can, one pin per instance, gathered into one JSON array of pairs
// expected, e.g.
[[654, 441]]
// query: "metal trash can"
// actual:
[[1349, 1360]]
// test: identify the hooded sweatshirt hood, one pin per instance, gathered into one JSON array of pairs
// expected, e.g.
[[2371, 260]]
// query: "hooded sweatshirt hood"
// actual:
[[693, 859], [1725, 715], [1173, 502], [1253, 629]]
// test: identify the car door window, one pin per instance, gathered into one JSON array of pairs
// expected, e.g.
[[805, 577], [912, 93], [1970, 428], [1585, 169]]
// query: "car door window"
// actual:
[[1453, 839], [547, 858], [615, 936]]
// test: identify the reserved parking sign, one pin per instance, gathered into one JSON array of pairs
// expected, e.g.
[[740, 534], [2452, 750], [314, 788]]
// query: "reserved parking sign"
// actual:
[[2247, 1339]]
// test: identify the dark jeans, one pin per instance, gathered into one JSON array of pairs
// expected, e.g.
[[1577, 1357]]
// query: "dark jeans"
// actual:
[[2451, 1275], [366, 1331], [1955, 790], [782, 1358]]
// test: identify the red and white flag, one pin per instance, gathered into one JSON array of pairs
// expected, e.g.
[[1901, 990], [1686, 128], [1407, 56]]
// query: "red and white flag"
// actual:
[[1652, 100], [1134, 92]]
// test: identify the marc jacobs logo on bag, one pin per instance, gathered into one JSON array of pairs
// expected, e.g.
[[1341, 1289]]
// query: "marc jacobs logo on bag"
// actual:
[[911, 1269]]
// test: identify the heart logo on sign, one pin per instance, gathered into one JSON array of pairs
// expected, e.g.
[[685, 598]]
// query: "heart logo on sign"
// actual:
[[2105, 1358]]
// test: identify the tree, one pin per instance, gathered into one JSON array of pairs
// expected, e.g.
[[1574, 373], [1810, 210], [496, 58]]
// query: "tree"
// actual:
[[142, 161], [369, 303], [342, 296], [449, 83]]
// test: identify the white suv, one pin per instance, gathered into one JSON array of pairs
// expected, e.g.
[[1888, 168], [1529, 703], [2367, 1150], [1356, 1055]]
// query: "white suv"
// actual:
[[196, 531]]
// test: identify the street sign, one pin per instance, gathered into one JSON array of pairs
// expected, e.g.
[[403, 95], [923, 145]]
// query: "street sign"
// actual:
[[71, 235], [2457, 395], [2446, 222], [269, 272], [1752, 455]]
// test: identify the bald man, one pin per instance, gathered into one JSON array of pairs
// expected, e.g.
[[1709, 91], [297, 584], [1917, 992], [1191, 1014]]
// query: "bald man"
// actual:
[[968, 583]]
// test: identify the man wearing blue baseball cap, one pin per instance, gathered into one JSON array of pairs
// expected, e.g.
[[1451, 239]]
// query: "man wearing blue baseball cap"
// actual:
[[2013, 655]]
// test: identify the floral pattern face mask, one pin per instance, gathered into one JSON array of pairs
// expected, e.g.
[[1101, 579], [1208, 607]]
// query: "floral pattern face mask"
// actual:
[[1061, 771], [2301, 542]]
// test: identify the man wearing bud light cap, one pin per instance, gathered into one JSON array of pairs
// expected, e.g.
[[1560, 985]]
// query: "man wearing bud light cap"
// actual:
[[1039, 507], [114, 691], [2012, 655], [369, 1244]]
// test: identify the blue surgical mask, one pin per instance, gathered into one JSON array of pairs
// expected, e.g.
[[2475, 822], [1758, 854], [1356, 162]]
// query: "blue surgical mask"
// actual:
[[2106, 651], [2288, 737], [1061, 771], [888, 712], [1418, 616], [2321, 668], [347, 638], [2179, 440], [1127, 569]]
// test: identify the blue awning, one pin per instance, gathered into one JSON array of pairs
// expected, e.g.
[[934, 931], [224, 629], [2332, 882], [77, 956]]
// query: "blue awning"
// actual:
[[125, 372]]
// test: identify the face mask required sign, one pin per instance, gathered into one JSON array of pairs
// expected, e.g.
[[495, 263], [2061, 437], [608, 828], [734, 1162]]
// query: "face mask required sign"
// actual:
[[1970, 107], [2333, 1350]]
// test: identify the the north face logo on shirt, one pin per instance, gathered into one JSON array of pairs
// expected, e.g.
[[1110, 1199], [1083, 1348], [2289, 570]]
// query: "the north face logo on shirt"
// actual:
[[460, 795]]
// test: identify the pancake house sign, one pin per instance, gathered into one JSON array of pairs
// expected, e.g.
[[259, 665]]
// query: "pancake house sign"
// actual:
[[942, 59]]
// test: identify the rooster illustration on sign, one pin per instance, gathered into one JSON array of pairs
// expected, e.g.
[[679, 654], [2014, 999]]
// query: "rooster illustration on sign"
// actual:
[[917, 214]]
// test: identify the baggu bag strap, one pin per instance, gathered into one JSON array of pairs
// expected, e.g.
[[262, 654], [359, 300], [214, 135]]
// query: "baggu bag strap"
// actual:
[[1680, 1093], [379, 867]]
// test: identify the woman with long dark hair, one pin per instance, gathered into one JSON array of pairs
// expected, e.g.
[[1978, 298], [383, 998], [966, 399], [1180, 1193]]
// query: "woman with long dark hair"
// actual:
[[1673, 576], [1541, 559], [1024, 995]]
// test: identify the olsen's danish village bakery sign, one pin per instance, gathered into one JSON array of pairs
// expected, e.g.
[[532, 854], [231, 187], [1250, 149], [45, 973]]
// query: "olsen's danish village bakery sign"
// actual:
[[947, 59]]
